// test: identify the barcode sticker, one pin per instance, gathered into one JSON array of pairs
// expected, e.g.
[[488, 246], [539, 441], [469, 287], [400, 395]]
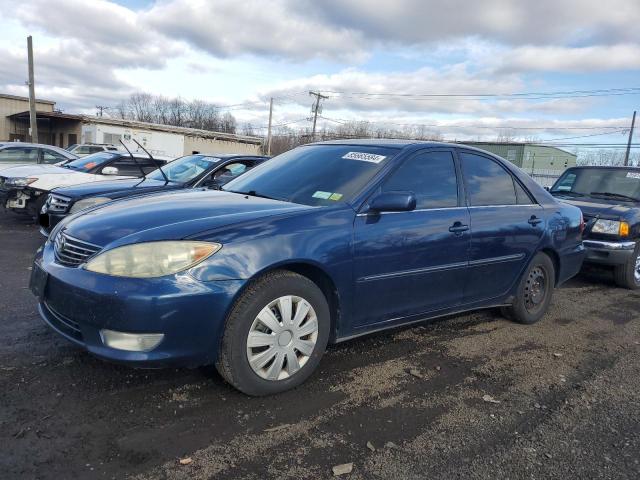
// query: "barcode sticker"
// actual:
[[365, 157]]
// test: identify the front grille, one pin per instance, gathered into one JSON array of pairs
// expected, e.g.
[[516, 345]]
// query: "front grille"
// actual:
[[62, 323], [57, 203], [72, 252]]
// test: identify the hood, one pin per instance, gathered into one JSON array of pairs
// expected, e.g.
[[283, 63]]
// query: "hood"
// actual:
[[605, 208], [33, 170], [118, 187], [171, 216]]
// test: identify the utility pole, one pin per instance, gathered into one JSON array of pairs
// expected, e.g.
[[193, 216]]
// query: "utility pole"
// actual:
[[269, 128], [33, 123], [316, 109], [626, 157]]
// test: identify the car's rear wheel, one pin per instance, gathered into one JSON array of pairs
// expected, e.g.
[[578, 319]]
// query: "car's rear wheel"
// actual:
[[534, 291], [628, 275], [275, 335]]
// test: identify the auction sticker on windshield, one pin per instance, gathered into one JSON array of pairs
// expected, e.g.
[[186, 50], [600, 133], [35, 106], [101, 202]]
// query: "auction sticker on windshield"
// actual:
[[365, 157], [633, 175]]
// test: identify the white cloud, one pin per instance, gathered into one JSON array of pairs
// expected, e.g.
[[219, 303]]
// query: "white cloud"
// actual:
[[563, 59]]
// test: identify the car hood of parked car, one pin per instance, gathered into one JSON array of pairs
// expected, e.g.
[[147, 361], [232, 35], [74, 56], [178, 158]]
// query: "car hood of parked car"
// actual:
[[34, 171], [606, 208], [171, 216], [114, 188]]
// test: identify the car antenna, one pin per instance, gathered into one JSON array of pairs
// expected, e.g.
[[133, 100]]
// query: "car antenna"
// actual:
[[144, 175], [151, 157]]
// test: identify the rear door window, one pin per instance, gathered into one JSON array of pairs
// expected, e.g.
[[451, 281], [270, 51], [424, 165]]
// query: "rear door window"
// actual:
[[431, 176], [50, 156], [487, 182], [19, 155]]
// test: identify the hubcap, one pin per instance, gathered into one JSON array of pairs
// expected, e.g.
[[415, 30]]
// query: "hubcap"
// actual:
[[535, 289], [282, 338], [636, 272]]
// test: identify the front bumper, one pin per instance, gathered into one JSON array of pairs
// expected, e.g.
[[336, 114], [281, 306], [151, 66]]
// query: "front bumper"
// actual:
[[19, 199], [78, 304], [609, 253]]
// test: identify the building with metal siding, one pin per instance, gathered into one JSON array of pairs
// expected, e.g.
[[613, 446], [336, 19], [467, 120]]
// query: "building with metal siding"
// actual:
[[12, 104], [544, 163], [63, 129]]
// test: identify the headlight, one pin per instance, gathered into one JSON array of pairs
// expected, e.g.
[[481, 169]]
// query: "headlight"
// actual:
[[88, 202], [20, 181], [611, 227], [152, 259]]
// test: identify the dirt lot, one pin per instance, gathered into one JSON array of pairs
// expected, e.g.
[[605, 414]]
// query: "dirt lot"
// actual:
[[467, 397]]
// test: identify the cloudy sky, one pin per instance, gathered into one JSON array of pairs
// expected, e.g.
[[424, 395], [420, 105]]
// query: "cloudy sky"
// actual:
[[457, 66]]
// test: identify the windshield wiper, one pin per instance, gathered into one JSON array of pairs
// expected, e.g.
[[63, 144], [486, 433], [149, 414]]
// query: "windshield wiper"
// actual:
[[616, 195], [568, 192], [253, 193]]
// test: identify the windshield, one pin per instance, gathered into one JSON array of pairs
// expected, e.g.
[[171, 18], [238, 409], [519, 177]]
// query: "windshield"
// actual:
[[599, 182], [315, 174], [185, 169], [91, 161]]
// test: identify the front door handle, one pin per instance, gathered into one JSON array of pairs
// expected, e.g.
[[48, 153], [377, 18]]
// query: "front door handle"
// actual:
[[534, 221], [458, 228]]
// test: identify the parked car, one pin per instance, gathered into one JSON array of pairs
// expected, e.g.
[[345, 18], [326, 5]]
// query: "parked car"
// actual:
[[14, 154], [321, 244], [192, 171], [84, 149], [609, 198], [24, 189]]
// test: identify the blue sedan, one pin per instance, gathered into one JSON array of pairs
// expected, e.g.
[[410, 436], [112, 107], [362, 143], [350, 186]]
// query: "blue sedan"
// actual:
[[321, 244]]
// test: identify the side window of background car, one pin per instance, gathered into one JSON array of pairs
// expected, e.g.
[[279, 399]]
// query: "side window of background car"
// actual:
[[231, 171], [22, 155], [126, 167], [431, 176], [486, 181], [49, 156]]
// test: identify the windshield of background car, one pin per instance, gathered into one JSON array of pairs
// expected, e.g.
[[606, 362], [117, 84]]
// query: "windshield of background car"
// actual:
[[185, 169], [314, 175], [586, 181], [92, 161]]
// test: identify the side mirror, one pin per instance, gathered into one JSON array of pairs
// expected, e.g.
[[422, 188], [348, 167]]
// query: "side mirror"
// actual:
[[393, 202], [212, 183], [110, 171]]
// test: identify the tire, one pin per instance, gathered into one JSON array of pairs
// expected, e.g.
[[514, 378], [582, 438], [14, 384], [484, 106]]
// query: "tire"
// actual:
[[628, 275], [531, 303], [266, 298]]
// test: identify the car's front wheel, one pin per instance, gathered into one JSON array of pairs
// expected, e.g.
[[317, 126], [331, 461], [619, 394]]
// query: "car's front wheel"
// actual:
[[628, 275], [534, 291], [275, 335]]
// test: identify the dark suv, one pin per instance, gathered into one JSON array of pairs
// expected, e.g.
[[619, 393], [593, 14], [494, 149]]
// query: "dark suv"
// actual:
[[609, 198]]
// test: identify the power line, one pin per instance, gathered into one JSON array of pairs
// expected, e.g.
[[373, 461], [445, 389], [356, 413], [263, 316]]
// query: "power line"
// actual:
[[492, 127], [525, 95]]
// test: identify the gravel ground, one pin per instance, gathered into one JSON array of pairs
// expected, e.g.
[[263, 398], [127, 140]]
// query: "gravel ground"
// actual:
[[472, 396]]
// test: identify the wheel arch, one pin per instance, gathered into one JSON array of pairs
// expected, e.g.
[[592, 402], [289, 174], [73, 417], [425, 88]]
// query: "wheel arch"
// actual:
[[555, 258], [322, 279]]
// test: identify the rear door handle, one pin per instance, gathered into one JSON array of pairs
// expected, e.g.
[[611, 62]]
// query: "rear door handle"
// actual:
[[534, 221], [458, 228]]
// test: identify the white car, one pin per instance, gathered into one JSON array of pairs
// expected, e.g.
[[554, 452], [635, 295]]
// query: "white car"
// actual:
[[19, 153], [84, 149], [23, 189]]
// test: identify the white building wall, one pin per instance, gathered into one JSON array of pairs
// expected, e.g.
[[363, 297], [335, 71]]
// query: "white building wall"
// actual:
[[157, 143]]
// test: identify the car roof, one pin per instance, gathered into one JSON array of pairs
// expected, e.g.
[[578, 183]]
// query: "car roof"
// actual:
[[621, 167], [37, 145], [226, 156], [395, 143]]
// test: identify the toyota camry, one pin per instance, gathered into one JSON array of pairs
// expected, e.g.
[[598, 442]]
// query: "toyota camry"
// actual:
[[319, 245]]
